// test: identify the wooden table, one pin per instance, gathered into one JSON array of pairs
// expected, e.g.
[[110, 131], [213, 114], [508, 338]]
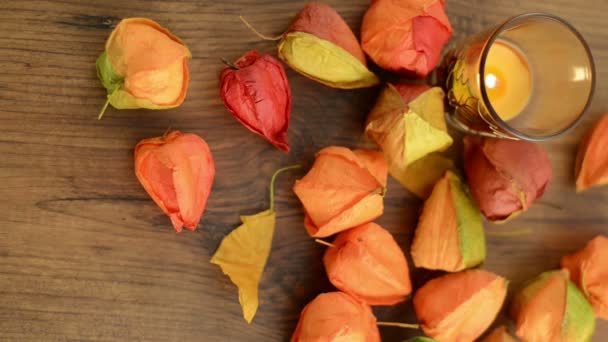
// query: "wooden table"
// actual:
[[85, 255]]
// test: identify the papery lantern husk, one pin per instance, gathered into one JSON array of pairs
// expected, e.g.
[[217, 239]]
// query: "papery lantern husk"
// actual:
[[405, 36], [319, 45], [450, 233], [256, 91], [367, 263], [505, 176], [408, 124], [342, 190], [177, 171], [589, 271], [144, 66], [499, 334], [592, 159], [551, 308], [336, 316], [459, 307]]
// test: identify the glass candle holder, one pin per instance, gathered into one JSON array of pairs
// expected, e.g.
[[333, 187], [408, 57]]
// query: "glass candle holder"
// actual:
[[530, 78]]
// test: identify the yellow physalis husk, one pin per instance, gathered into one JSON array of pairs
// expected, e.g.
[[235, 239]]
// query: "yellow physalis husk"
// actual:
[[324, 62], [243, 253]]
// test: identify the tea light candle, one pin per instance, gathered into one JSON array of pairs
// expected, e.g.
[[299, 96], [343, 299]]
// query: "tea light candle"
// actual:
[[508, 80]]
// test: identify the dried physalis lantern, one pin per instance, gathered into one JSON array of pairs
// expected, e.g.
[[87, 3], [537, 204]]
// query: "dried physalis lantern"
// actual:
[[177, 171], [255, 90], [499, 334], [143, 66], [450, 233], [336, 316], [589, 271], [342, 190], [408, 124], [551, 308], [406, 36], [367, 263], [592, 159], [243, 253], [459, 306], [319, 45], [505, 176]]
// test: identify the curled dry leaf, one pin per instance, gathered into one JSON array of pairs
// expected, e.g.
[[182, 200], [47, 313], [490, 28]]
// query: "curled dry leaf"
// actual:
[[408, 124], [592, 159], [505, 176], [459, 307], [319, 45], [177, 171], [551, 308], [367, 263], [589, 271], [255, 90], [421, 339], [499, 334], [336, 316], [243, 253], [406, 36], [342, 190], [450, 233], [143, 66]]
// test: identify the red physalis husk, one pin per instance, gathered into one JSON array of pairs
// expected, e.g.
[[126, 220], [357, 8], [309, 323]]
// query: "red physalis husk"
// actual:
[[255, 90]]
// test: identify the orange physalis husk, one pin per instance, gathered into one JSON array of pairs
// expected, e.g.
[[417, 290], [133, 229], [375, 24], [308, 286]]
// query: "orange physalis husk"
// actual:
[[459, 307], [408, 124], [342, 190], [243, 253], [319, 45], [406, 36], [336, 316], [177, 171], [450, 233], [499, 334], [143, 66], [589, 271], [592, 160], [551, 308], [367, 263], [505, 176]]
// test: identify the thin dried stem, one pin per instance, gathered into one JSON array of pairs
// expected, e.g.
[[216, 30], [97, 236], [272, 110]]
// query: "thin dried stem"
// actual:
[[398, 325], [257, 33], [230, 65], [103, 109], [323, 242], [273, 179]]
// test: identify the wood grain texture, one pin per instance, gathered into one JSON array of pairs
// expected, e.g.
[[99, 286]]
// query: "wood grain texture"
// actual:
[[85, 255]]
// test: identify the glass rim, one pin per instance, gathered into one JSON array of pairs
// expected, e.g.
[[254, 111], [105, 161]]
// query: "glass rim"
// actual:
[[484, 54]]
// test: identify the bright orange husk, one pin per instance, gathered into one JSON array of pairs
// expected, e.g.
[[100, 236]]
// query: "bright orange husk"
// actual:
[[177, 171], [367, 263], [342, 190], [499, 334], [151, 60], [450, 234], [551, 308], [336, 317], [459, 307], [589, 271], [405, 36], [592, 159]]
